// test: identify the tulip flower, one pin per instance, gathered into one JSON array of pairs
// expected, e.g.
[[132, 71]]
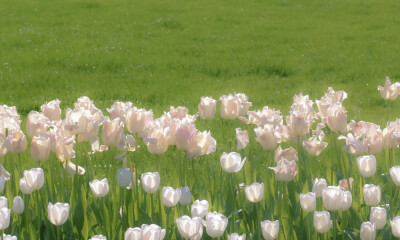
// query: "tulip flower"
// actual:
[[230, 107], [255, 192], [98, 237], [316, 143], [346, 201], [9, 237], [58, 213], [186, 196], [285, 171], [150, 181], [36, 123], [367, 165], [394, 174], [18, 142], [189, 227], [203, 144], [18, 205], [65, 149], [395, 226], [34, 178], [152, 231], [99, 188], [199, 208], [337, 118], [235, 236], [52, 110], [289, 154], [389, 91], [332, 198], [133, 234], [119, 110], [138, 121], [112, 131], [24, 187], [207, 108], [322, 221], [372, 194], [170, 196], [72, 168], [244, 104], [3, 202], [267, 136], [127, 143], [378, 216], [4, 218], [40, 148], [124, 177], [216, 224], [185, 136], [158, 139], [2, 183], [242, 138], [367, 231], [318, 186], [353, 144], [270, 229], [232, 162], [308, 201]]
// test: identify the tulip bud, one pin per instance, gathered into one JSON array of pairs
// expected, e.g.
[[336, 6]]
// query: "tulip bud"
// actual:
[[3, 202], [99, 188], [322, 221], [124, 177], [40, 148], [230, 107], [378, 216], [133, 234], [58, 213], [367, 231], [285, 171], [372, 194], [18, 205], [235, 236], [4, 218], [34, 178], [216, 224], [395, 226], [98, 237], [232, 162], [199, 208], [2, 183], [394, 174], [150, 181], [23, 186], [346, 201], [367, 165], [18, 142], [189, 227], [170, 196], [242, 138], [52, 110], [154, 231], [112, 131], [308, 202], [207, 108], [332, 198], [318, 186], [270, 229], [255, 192], [186, 196], [337, 118]]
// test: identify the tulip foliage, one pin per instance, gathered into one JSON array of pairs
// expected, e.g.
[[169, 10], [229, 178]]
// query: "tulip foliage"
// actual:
[[232, 173]]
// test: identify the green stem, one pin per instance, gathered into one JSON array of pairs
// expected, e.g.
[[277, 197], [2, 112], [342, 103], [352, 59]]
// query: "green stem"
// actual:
[[334, 224]]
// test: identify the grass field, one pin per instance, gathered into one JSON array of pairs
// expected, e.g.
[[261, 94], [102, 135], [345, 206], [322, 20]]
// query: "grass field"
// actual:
[[158, 54]]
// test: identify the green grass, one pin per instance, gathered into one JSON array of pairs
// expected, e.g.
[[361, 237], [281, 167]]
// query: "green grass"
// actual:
[[162, 53]]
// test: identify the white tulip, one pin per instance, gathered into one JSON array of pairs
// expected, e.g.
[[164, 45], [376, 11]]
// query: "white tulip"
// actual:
[[322, 221], [207, 108], [18, 205], [98, 237], [152, 232], [242, 138], [255, 192], [150, 181], [395, 175], [270, 229], [318, 186], [308, 201], [99, 188], [367, 231], [124, 177], [34, 178], [378, 216], [170, 196], [133, 234], [3, 202], [372, 194], [235, 236], [216, 224], [4, 218], [395, 223], [232, 162], [367, 165], [186, 196], [189, 227], [58, 213], [199, 208]]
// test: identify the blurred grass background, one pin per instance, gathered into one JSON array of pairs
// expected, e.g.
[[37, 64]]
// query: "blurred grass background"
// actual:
[[172, 52]]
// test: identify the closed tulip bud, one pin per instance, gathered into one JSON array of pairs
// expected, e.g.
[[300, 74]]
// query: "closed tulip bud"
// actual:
[[367, 231], [372, 194], [150, 181], [230, 107], [18, 142], [199, 208], [308, 202], [3, 202], [378, 216], [99, 188], [270, 229], [232, 162], [332, 198], [112, 131], [285, 171], [58, 213], [170, 196], [255, 192], [216, 224], [367, 165], [242, 138], [133, 234], [318, 186], [152, 232], [2, 183], [395, 226], [346, 201], [322, 221], [9, 237], [40, 148], [186, 196], [189, 227], [138, 121], [395, 175], [124, 177], [235, 236], [52, 110], [34, 178], [98, 237], [18, 205], [337, 119], [4, 218], [207, 108], [23, 186]]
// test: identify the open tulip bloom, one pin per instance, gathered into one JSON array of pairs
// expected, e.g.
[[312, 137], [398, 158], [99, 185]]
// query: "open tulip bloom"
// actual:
[[232, 162]]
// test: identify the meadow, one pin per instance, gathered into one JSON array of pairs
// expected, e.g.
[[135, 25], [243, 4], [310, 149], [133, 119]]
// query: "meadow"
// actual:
[[158, 54]]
